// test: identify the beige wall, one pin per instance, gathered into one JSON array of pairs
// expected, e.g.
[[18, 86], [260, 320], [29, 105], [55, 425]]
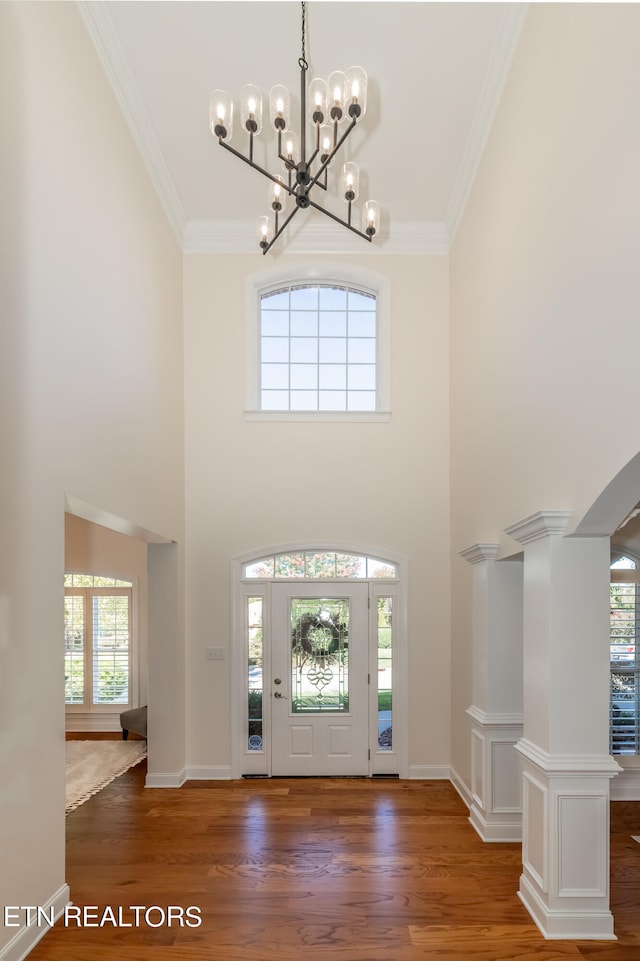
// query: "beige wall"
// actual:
[[545, 291], [252, 485], [90, 389]]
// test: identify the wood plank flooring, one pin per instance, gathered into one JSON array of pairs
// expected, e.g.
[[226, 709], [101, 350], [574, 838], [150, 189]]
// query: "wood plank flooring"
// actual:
[[313, 870]]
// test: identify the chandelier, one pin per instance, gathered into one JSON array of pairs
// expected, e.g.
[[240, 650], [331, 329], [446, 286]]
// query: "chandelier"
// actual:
[[326, 106]]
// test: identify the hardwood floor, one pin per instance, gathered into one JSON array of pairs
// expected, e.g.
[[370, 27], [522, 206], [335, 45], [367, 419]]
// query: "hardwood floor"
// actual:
[[322, 869]]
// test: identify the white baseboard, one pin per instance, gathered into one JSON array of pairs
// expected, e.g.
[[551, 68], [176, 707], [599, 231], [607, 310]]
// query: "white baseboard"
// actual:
[[170, 779], [429, 772], [209, 772], [566, 925], [460, 787], [77, 722], [26, 938], [506, 832]]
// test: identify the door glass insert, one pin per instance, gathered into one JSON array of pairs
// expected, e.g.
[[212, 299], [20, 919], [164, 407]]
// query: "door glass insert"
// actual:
[[385, 688], [319, 655], [255, 668]]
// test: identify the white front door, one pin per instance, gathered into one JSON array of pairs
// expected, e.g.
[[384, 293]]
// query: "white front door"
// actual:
[[319, 679]]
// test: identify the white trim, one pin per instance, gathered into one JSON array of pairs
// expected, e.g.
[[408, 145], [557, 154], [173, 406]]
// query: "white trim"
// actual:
[[239, 237], [262, 281], [494, 720], [170, 779], [105, 40], [460, 786], [568, 765], [587, 925], [508, 34], [493, 832], [208, 772], [541, 524], [25, 940], [429, 772], [477, 553]]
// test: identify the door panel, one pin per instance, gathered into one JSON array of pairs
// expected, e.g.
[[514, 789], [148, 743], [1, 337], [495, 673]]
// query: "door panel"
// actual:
[[319, 689]]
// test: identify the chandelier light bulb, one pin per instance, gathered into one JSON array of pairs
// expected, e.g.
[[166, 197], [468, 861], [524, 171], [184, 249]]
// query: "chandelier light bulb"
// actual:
[[351, 181], [277, 196], [264, 230], [335, 97], [317, 101], [251, 108], [279, 107], [371, 218], [355, 92], [221, 114]]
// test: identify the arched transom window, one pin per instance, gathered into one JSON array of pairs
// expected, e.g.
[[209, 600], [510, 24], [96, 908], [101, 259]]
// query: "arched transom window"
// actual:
[[319, 565]]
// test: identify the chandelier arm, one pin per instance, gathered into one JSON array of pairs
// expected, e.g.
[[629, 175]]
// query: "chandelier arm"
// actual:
[[256, 166], [280, 230], [330, 156], [339, 220]]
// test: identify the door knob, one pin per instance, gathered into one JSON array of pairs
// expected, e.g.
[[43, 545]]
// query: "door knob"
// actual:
[[279, 695]]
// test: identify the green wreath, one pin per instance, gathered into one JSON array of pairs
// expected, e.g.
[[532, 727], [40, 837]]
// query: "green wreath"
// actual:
[[333, 628]]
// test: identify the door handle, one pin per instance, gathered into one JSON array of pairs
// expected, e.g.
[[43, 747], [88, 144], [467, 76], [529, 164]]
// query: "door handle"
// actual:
[[279, 695]]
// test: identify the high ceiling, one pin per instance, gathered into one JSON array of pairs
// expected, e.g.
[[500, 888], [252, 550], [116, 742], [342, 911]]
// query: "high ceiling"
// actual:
[[435, 75]]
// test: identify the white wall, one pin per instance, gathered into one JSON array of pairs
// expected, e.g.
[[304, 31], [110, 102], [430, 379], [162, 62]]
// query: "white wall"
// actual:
[[252, 485], [90, 389], [545, 291]]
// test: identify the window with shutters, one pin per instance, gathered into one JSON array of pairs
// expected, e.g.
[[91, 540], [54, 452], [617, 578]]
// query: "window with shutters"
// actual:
[[97, 643], [623, 653]]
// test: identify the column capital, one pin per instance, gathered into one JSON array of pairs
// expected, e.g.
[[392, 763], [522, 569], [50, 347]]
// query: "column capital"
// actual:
[[539, 525], [477, 553], [568, 765]]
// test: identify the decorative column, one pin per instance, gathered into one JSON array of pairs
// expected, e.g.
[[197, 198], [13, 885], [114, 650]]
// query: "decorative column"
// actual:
[[566, 767], [496, 709]]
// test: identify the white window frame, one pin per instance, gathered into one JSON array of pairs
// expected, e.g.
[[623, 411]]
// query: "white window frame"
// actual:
[[332, 274], [87, 706], [626, 576]]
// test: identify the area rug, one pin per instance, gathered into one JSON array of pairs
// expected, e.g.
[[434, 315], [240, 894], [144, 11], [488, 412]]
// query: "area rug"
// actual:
[[91, 765]]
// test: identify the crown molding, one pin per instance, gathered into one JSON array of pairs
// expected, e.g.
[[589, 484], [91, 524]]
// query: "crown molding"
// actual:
[[479, 552], [100, 29], [239, 237], [508, 34]]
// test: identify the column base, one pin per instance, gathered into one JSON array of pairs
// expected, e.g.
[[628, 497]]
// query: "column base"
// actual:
[[557, 925], [565, 852], [496, 811]]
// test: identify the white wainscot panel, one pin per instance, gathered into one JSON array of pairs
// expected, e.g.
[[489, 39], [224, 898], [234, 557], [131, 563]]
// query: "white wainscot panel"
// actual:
[[582, 865], [507, 792], [477, 768], [534, 849]]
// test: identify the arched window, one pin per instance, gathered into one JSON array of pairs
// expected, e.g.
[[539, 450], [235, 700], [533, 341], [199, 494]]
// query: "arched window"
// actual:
[[623, 653], [320, 347]]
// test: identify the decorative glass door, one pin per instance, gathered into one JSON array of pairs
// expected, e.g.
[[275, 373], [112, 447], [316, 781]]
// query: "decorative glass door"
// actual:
[[319, 683]]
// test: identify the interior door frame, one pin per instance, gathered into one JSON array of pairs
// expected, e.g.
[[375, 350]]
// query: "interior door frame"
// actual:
[[247, 764]]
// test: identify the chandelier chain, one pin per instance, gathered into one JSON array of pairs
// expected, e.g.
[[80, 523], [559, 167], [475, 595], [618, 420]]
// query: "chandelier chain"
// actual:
[[302, 62]]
